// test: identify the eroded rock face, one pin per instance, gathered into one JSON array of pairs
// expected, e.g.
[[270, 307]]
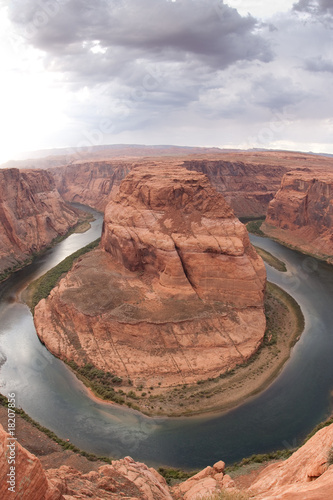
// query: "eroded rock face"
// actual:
[[90, 183], [32, 214], [29, 480], [174, 295], [247, 187], [124, 479], [306, 475], [301, 213]]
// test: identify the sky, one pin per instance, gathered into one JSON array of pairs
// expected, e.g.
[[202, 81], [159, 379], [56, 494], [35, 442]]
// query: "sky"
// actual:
[[234, 74]]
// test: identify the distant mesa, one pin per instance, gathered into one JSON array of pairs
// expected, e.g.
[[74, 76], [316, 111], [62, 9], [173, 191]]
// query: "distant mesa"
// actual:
[[174, 294]]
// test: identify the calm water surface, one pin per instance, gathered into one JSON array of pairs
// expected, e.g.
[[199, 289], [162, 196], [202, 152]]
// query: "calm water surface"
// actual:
[[279, 417]]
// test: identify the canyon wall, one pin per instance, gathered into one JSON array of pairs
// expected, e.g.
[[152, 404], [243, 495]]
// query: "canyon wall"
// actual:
[[175, 293], [247, 187], [301, 214], [90, 183], [32, 214]]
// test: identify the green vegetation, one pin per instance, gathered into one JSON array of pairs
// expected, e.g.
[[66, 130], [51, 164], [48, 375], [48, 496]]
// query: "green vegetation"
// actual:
[[15, 267], [245, 220], [327, 422], [227, 495], [271, 259], [272, 324], [261, 458], [82, 225], [254, 227], [66, 445], [173, 476], [41, 288], [330, 456], [100, 382]]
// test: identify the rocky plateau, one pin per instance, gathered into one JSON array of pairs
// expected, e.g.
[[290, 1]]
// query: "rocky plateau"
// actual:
[[175, 292]]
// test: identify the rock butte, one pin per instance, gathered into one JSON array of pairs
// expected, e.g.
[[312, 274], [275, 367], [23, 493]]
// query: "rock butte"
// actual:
[[32, 214], [301, 214], [174, 294], [306, 475]]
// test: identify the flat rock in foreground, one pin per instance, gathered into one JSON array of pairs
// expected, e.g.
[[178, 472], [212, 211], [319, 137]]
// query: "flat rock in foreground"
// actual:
[[175, 293]]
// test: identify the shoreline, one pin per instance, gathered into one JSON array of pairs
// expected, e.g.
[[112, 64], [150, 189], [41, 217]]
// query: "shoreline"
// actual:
[[220, 395], [260, 231], [81, 226]]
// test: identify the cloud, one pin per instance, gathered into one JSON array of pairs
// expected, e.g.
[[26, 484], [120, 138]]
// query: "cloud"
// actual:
[[314, 7], [103, 39], [319, 65]]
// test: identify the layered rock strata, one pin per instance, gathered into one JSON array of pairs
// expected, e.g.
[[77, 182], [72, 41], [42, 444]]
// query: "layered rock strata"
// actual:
[[175, 293], [90, 183], [21, 473], [247, 187], [301, 214], [32, 214]]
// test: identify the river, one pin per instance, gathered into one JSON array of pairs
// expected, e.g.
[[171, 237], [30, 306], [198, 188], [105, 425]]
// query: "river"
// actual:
[[279, 417]]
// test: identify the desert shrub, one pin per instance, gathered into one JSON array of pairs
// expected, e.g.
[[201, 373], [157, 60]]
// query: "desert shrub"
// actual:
[[227, 495], [330, 456], [42, 286], [254, 227]]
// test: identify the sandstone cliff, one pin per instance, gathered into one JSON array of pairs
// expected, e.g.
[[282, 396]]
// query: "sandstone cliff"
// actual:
[[90, 183], [26, 478], [306, 475], [174, 295], [247, 187], [301, 213], [32, 214]]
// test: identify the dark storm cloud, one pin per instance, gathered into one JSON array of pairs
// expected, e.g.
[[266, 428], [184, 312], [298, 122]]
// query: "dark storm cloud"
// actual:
[[316, 7], [102, 39]]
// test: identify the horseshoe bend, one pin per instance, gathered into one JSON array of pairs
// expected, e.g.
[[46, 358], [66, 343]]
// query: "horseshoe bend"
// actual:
[[173, 295]]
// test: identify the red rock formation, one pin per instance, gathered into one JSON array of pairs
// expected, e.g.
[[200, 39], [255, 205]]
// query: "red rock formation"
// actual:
[[247, 187], [23, 473], [174, 295], [32, 214], [90, 183], [125, 478], [301, 213], [306, 475]]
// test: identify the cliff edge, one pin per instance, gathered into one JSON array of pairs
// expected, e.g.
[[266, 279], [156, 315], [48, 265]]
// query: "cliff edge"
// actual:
[[301, 213], [32, 214]]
